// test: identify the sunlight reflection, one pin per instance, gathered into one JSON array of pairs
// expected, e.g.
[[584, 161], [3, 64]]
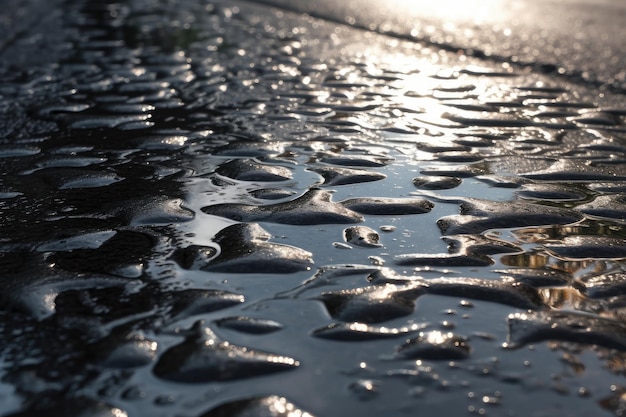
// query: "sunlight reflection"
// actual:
[[454, 9]]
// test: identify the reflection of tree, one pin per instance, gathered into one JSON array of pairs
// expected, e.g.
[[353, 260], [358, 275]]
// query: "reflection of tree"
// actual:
[[588, 227], [526, 260], [568, 298], [595, 286]]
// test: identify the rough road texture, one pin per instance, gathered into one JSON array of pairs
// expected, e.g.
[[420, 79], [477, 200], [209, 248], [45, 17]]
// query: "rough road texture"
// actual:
[[217, 208]]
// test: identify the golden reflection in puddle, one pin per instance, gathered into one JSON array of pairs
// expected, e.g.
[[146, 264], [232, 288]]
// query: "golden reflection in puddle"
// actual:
[[537, 259], [564, 298], [567, 298], [553, 234], [570, 299]]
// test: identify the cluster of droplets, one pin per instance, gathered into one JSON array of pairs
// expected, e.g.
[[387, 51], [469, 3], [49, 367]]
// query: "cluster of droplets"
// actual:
[[167, 120]]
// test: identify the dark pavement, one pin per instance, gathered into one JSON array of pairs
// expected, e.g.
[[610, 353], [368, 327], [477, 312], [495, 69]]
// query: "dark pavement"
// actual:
[[225, 208]]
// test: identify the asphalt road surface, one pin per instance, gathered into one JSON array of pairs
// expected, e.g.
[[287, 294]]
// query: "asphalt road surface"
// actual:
[[229, 208]]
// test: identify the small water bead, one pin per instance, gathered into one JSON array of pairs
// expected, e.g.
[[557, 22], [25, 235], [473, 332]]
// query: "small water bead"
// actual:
[[364, 389], [447, 325], [133, 393], [388, 206], [249, 325], [436, 182], [341, 245], [165, 400], [355, 331], [491, 399], [387, 228], [435, 345], [271, 193], [474, 410]]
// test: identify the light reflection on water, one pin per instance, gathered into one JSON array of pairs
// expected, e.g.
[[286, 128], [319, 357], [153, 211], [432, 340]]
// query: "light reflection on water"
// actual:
[[475, 11], [406, 118], [349, 100]]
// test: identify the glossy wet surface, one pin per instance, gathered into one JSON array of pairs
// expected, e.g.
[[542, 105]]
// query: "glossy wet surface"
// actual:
[[219, 209]]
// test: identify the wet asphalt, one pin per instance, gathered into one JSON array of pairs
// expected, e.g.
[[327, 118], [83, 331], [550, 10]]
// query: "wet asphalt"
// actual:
[[231, 209]]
